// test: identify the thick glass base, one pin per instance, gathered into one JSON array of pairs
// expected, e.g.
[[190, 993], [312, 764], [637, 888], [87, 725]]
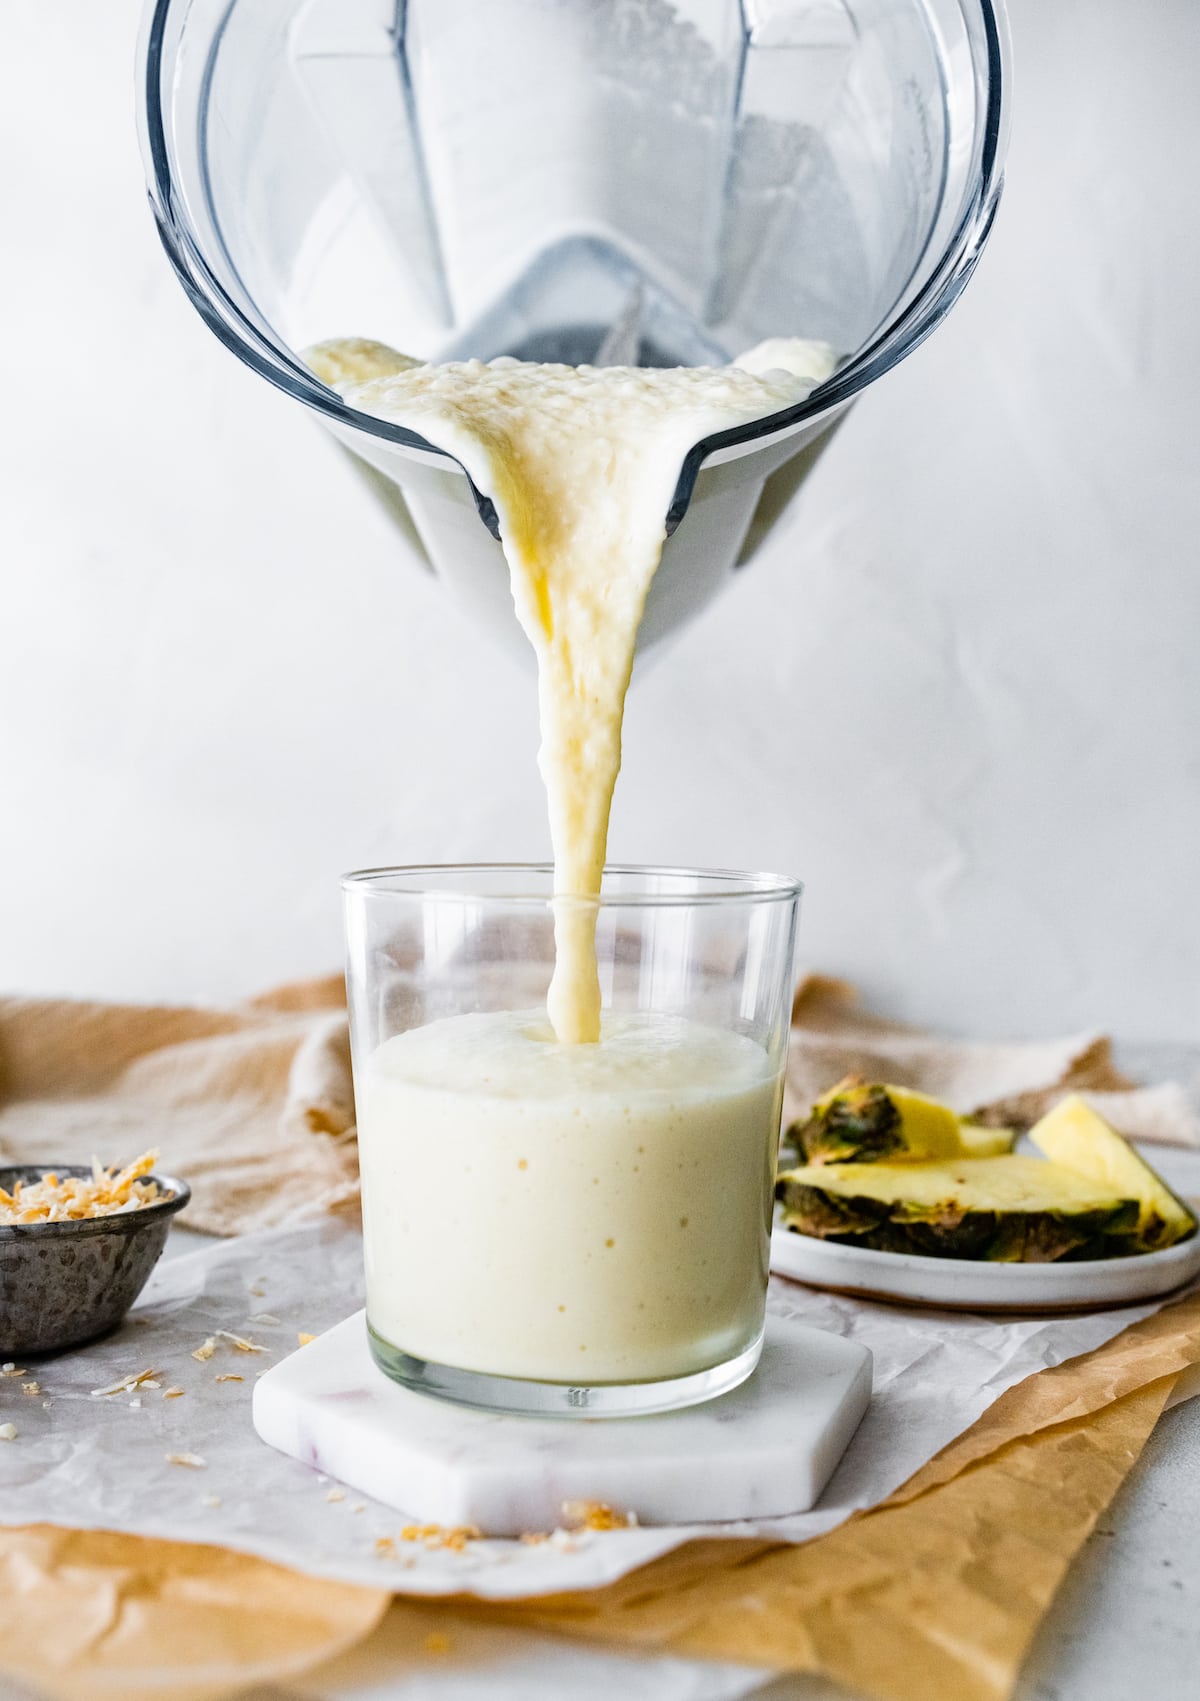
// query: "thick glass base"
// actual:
[[526, 1398]]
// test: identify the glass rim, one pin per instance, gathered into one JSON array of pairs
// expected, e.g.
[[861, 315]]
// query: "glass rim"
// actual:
[[732, 885]]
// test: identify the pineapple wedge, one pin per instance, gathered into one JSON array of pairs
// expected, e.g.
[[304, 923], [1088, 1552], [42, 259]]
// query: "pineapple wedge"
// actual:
[[980, 1142], [866, 1122], [1076, 1137], [1004, 1209]]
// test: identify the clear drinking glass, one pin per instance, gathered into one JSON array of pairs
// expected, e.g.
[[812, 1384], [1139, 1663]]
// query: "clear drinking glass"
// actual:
[[568, 1229]]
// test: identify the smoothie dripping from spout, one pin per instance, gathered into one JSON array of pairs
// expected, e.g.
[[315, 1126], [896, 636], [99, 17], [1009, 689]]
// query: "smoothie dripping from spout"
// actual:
[[581, 464]]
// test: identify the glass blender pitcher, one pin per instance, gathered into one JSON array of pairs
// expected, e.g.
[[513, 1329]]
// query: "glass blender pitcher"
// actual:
[[653, 182]]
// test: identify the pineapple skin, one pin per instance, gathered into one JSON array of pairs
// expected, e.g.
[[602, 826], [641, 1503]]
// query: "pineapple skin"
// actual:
[[951, 1215]]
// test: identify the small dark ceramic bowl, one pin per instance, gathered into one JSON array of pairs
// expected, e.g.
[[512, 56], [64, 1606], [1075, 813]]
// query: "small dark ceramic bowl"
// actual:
[[65, 1283]]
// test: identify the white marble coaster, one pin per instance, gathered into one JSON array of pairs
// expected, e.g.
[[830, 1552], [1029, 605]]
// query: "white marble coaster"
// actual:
[[762, 1451]]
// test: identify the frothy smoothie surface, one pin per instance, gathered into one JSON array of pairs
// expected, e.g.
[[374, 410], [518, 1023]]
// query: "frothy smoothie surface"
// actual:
[[581, 464], [617, 1196]]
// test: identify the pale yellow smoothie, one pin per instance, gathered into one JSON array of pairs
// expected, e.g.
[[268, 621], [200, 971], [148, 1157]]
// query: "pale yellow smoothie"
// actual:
[[574, 1214]]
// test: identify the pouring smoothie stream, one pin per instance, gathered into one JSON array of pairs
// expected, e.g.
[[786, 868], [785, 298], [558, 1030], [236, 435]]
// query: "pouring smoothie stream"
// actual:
[[581, 464]]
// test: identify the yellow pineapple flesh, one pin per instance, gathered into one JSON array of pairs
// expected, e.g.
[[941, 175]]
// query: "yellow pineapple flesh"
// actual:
[[1078, 1138]]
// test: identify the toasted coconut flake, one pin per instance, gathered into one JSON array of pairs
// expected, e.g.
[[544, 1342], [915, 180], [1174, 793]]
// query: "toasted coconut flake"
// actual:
[[240, 1342], [336, 1494], [595, 1515], [193, 1461], [31, 1388], [453, 1538], [264, 1318], [143, 1379], [72, 1198], [305, 1340], [173, 1393], [11, 1369], [8, 1432], [385, 1547], [206, 1350], [229, 1376]]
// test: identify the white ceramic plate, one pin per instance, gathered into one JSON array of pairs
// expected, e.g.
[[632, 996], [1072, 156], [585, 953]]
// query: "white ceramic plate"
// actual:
[[963, 1285]]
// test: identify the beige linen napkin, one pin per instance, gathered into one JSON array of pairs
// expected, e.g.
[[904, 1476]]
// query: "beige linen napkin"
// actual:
[[1004, 1084], [254, 1105]]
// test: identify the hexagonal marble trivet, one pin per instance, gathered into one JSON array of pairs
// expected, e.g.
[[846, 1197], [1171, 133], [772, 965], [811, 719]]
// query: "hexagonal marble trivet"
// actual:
[[764, 1450]]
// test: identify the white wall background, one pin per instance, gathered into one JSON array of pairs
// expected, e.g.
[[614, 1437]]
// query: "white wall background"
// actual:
[[959, 696]]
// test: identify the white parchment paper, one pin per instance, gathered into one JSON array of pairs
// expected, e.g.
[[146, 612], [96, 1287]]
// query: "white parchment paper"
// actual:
[[99, 1460]]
